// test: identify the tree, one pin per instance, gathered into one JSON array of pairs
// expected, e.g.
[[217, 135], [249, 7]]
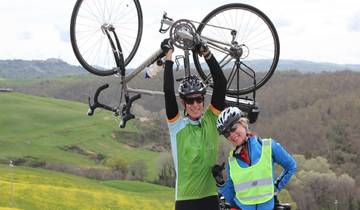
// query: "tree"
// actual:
[[316, 186], [118, 165], [166, 170], [346, 192], [138, 170]]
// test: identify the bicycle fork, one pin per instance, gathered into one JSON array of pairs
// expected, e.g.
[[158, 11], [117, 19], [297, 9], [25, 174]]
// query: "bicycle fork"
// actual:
[[125, 110]]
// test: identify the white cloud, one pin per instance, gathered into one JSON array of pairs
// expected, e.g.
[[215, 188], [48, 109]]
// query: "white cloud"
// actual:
[[317, 30], [25, 35], [354, 22]]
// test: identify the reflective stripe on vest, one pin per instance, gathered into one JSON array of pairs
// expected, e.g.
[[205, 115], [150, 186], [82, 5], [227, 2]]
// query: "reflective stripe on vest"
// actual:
[[254, 184]]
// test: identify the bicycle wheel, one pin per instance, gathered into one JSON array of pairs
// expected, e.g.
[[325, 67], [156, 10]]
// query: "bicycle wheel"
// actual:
[[91, 45], [256, 40]]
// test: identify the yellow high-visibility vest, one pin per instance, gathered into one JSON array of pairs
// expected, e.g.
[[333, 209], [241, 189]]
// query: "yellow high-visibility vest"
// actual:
[[254, 184]]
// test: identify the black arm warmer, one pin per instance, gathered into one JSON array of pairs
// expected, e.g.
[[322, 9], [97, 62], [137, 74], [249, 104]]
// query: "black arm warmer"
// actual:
[[219, 91], [171, 106]]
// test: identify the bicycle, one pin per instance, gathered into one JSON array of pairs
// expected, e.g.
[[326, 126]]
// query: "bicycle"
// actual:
[[105, 37]]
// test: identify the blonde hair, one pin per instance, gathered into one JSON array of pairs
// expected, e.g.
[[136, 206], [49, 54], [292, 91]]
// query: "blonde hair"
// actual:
[[244, 122]]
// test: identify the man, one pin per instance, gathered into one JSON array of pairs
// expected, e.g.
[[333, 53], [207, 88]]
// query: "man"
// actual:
[[194, 138]]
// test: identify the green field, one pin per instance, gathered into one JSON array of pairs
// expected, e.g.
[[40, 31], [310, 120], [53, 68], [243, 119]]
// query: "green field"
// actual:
[[38, 127], [30, 188]]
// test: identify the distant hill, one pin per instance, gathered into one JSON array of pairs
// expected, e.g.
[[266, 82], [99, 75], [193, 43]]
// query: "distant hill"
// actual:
[[315, 67], [52, 67], [29, 69], [302, 66]]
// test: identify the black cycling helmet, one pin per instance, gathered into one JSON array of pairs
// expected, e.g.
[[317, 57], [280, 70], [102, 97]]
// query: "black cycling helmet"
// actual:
[[227, 118], [191, 85]]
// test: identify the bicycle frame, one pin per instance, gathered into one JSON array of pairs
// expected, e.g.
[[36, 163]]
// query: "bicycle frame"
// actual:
[[231, 49], [168, 22]]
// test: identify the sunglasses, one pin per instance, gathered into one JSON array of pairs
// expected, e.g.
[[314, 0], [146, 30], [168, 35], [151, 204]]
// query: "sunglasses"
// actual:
[[232, 128], [191, 101]]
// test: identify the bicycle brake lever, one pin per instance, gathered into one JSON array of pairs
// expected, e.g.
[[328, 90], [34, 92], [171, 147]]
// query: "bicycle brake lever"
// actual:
[[96, 103], [128, 116], [91, 108], [125, 111]]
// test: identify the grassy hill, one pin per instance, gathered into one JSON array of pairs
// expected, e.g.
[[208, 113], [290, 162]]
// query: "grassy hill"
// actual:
[[39, 129], [29, 188], [26, 69]]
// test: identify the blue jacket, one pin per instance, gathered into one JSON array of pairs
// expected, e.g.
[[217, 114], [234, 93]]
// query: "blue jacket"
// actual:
[[279, 156]]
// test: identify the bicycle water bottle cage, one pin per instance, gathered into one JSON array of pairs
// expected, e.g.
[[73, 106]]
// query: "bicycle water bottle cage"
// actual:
[[177, 58], [246, 105]]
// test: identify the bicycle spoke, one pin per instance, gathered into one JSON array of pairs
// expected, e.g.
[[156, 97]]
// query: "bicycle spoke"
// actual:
[[231, 77], [208, 78], [91, 45], [256, 44], [222, 65]]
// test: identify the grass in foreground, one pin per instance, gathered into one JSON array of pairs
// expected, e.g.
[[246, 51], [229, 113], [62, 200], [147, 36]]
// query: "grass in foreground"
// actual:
[[29, 188]]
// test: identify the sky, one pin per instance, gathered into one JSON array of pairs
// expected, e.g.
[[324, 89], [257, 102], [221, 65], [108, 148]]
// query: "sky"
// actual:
[[314, 30]]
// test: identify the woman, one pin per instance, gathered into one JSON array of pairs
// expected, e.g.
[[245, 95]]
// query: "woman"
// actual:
[[250, 170], [194, 138]]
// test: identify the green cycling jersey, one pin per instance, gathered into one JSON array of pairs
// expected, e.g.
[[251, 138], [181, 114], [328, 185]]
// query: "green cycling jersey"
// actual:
[[194, 147]]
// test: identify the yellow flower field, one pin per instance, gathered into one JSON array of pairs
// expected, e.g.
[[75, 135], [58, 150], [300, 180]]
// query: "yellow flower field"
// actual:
[[27, 188]]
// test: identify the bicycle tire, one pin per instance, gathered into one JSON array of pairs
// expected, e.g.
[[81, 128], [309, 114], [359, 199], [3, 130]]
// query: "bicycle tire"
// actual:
[[263, 61], [91, 46]]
